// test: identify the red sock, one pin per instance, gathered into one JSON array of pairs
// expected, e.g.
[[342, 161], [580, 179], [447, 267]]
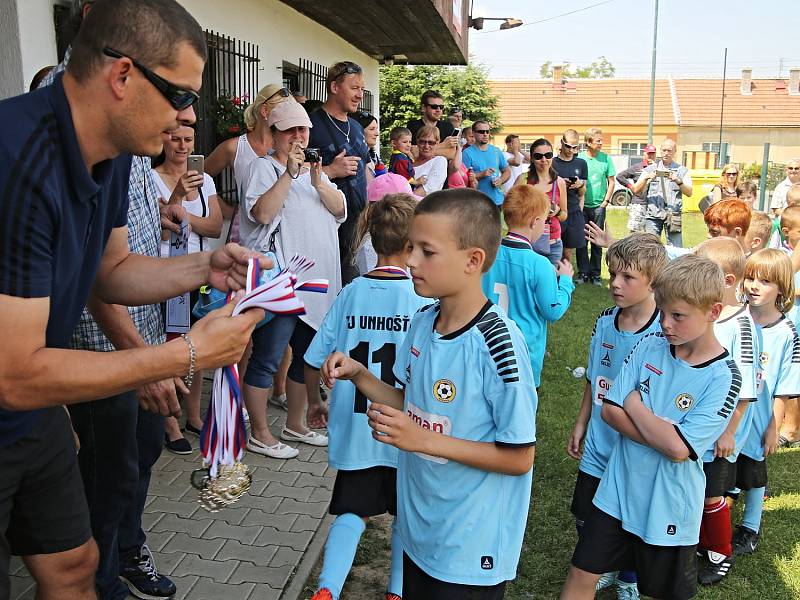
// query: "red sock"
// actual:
[[715, 529]]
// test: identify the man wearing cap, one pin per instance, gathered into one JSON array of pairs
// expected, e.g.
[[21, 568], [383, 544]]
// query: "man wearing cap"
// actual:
[[637, 203]]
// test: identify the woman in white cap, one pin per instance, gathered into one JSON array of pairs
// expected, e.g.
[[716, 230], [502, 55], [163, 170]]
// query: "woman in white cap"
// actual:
[[289, 208]]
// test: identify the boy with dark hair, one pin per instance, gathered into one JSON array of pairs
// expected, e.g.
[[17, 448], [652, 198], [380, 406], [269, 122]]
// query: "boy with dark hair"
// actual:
[[466, 416], [633, 264], [736, 332], [670, 401]]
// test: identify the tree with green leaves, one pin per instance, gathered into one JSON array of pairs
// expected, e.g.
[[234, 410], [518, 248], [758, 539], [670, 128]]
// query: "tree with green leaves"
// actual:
[[466, 87], [599, 69]]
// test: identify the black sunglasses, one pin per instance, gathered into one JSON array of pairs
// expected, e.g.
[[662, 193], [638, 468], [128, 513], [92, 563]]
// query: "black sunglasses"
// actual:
[[570, 146], [480, 131], [346, 68], [436, 106], [540, 156], [179, 98]]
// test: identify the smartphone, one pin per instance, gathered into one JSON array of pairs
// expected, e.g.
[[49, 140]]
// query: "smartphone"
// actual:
[[196, 163], [456, 132], [664, 173]]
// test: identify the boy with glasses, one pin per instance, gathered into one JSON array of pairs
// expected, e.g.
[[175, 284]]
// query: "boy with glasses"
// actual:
[[488, 163]]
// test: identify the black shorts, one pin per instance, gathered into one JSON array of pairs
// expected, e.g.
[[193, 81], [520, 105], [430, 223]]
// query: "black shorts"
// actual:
[[365, 492], [43, 507], [720, 476], [750, 473], [572, 233], [418, 585], [301, 339], [585, 488], [662, 571]]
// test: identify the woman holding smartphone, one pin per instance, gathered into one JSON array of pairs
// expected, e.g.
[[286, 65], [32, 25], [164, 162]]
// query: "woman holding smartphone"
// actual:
[[195, 190]]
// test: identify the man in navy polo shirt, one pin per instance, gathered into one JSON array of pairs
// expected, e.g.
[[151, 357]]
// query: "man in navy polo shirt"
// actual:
[[133, 74]]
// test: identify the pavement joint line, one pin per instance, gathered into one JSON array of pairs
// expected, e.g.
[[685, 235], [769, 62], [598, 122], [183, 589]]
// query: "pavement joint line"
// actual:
[[308, 561]]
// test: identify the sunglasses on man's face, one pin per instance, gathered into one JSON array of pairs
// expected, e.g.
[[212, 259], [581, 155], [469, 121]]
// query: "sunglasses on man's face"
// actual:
[[541, 155], [179, 98], [436, 106], [569, 146], [481, 131]]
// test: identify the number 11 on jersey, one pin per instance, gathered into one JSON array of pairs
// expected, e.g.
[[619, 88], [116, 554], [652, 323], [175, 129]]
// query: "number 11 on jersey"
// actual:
[[385, 356]]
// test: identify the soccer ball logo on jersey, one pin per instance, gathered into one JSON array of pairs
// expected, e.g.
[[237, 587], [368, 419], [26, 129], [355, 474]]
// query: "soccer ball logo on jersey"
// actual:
[[684, 402], [763, 359], [444, 390]]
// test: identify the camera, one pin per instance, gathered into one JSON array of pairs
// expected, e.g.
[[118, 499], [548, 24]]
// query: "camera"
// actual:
[[311, 155], [663, 173]]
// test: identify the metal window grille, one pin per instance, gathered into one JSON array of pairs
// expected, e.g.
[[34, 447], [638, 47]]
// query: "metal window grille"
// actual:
[[232, 68]]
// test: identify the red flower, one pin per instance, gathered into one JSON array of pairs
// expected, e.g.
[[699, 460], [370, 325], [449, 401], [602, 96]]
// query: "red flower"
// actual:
[[233, 129]]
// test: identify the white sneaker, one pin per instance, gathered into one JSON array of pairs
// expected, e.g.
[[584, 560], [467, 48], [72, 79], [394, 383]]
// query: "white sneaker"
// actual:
[[312, 437], [627, 591], [606, 581], [279, 402], [277, 451]]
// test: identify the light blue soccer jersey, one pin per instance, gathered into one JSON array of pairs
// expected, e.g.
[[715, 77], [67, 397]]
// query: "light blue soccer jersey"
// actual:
[[656, 499], [457, 523], [525, 285], [608, 349], [778, 375], [368, 322], [737, 334]]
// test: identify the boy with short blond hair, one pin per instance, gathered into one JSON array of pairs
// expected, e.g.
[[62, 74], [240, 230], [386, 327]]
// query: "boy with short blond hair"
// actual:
[[466, 416], [671, 400], [633, 264], [758, 233]]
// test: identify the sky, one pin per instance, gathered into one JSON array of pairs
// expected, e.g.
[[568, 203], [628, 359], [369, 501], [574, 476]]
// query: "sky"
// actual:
[[692, 36]]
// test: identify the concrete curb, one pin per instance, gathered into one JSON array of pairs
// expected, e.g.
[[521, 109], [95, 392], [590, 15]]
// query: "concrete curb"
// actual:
[[310, 558]]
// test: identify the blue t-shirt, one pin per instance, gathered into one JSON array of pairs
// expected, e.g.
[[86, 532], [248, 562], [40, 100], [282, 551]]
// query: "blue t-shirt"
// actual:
[[368, 321], [737, 334], [458, 523], [778, 375], [57, 217], [525, 285], [655, 498], [608, 349], [479, 160]]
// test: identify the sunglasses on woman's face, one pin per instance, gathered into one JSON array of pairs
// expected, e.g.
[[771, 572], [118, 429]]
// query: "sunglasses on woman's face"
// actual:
[[426, 143], [732, 173], [540, 155]]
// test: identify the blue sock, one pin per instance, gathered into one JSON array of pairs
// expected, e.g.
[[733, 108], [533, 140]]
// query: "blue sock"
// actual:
[[340, 550], [396, 571], [627, 576], [753, 507]]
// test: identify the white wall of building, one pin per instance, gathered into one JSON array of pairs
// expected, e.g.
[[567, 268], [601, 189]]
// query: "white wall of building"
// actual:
[[37, 36]]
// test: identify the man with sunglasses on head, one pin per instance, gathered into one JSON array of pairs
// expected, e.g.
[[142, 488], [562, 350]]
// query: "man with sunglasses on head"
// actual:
[[133, 74], [432, 106], [487, 162], [575, 172]]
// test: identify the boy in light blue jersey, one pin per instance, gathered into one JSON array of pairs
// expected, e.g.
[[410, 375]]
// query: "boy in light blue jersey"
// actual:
[[523, 282], [769, 291], [368, 322], [466, 417], [670, 401], [633, 263], [736, 332]]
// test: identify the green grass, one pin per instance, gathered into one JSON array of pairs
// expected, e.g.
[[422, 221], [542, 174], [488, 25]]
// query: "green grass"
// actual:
[[772, 572]]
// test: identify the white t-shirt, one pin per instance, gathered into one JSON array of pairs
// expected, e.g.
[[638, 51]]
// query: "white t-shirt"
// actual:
[[198, 207], [435, 170], [778, 200], [515, 171], [307, 227]]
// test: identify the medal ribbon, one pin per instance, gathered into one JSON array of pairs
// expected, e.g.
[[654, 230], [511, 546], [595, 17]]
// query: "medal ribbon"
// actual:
[[223, 436], [392, 270]]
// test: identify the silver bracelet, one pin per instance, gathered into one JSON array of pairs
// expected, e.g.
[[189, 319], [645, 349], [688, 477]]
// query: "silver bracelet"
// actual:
[[192, 360]]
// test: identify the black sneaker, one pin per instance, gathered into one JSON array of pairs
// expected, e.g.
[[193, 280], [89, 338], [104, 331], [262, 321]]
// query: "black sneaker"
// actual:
[[713, 567], [143, 581], [745, 541], [597, 281]]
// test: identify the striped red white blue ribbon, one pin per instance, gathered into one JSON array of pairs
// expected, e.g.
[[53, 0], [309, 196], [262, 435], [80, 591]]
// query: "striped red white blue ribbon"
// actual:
[[223, 436]]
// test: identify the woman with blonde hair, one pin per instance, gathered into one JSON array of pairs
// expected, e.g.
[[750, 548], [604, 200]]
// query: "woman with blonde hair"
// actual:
[[726, 188]]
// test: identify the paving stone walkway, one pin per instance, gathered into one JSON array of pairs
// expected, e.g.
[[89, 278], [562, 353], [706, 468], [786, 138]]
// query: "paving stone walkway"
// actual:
[[250, 551]]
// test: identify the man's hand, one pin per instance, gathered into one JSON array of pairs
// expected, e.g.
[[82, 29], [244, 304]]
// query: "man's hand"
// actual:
[[227, 266], [564, 267], [221, 339], [597, 235], [485, 173], [172, 215], [161, 397], [725, 445], [339, 366], [343, 166], [576, 440], [576, 185], [394, 427]]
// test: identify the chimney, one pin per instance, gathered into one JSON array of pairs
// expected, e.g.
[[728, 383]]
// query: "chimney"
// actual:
[[794, 82], [558, 72], [746, 87]]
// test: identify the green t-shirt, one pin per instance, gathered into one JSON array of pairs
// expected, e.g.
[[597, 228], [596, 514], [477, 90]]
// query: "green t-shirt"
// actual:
[[601, 167]]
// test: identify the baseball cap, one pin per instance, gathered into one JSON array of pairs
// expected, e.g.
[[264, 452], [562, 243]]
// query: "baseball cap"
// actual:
[[649, 148], [389, 183], [287, 115]]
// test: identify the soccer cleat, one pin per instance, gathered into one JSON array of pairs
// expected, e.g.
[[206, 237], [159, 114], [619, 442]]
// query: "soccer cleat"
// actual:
[[627, 591], [142, 578], [745, 540], [390, 596], [713, 567], [322, 594], [606, 581]]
